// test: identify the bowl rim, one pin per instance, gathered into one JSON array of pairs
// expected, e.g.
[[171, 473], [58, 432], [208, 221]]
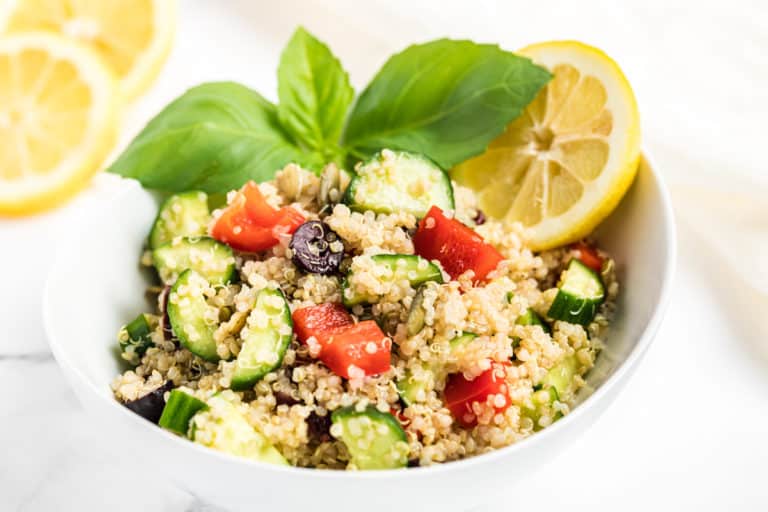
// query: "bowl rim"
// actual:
[[626, 366]]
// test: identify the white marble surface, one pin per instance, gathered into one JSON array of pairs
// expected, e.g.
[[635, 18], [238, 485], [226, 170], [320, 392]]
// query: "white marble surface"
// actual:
[[690, 429]]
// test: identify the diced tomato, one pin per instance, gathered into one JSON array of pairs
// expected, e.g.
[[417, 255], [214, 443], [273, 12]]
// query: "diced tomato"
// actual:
[[250, 224], [256, 204], [461, 394], [357, 350], [320, 321], [343, 346], [588, 255], [456, 246]]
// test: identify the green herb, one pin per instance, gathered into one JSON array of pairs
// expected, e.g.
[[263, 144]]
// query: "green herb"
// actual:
[[215, 137], [314, 94], [445, 99]]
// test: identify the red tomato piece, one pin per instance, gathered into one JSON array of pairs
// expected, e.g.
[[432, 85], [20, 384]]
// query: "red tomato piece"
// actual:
[[357, 350], [588, 255], [256, 204], [456, 246], [250, 224], [320, 321], [235, 229], [461, 394]]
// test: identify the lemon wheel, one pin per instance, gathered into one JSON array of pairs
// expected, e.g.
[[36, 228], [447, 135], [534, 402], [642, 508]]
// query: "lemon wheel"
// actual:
[[133, 37], [58, 118], [562, 166]]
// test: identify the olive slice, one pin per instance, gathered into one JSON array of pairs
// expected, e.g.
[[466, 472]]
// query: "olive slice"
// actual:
[[317, 248]]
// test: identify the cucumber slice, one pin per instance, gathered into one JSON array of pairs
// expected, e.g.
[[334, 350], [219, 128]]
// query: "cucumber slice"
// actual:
[[391, 182], [579, 296], [210, 258], [186, 311], [266, 336], [224, 428], [179, 410], [462, 340], [395, 267], [136, 337], [530, 317], [184, 214], [560, 377], [412, 387], [416, 314], [374, 439]]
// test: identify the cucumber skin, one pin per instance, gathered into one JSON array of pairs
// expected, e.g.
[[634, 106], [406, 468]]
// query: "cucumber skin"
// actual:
[[572, 308], [179, 410], [376, 416], [139, 336], [207, 352], [157, 237], [349, 194], [245, 379], [165, 273], [431, 273]]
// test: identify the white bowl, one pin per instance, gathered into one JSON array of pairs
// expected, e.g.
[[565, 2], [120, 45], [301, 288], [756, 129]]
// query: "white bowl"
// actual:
[[95, 285]]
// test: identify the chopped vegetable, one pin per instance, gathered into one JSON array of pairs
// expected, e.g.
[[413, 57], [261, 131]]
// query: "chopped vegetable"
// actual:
[[320, 321], [463, 397], [560, 377], [222, 426], [579, 296], [136, 337], [392, 182], [530, 317], [266, 336], [150, 406], [588, 255], [179, 410], [317, 248], [393, 267], [374, 439], [357, 350], [416, 314], [456, 246], [211, 259], [350, 350], [184, 214], [250, 224], [187, 312]]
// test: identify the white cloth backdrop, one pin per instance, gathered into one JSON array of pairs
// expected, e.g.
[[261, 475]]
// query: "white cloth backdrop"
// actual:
[[690, 430]]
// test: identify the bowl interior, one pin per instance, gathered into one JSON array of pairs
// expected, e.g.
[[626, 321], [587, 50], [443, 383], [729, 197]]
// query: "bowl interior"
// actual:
[[96, 284]]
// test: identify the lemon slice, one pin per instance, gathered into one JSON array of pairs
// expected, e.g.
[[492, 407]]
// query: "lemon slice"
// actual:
[[565, 163], [58, 119], [133, 37]]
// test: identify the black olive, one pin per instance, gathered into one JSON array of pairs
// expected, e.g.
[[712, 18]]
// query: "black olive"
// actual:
[[317, 248], [479, 217], [151, 405], [283, 398], [319, 427]]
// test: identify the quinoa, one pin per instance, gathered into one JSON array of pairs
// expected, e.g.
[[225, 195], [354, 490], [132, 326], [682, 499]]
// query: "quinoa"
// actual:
[[291, 405]]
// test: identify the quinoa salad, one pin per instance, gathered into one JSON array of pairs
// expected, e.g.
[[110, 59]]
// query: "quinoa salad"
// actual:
[[370, 318]]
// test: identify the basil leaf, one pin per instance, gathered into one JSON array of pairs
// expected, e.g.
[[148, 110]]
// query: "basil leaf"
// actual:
[[445, 99], [314, 93], [214, 137]]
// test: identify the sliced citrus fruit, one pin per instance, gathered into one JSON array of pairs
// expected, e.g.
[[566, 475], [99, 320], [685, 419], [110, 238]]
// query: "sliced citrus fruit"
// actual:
[[133, 37], [565, 163], [58, 120]]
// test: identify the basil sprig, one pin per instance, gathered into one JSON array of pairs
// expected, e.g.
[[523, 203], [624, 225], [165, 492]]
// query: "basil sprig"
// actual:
[[444, 99]]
